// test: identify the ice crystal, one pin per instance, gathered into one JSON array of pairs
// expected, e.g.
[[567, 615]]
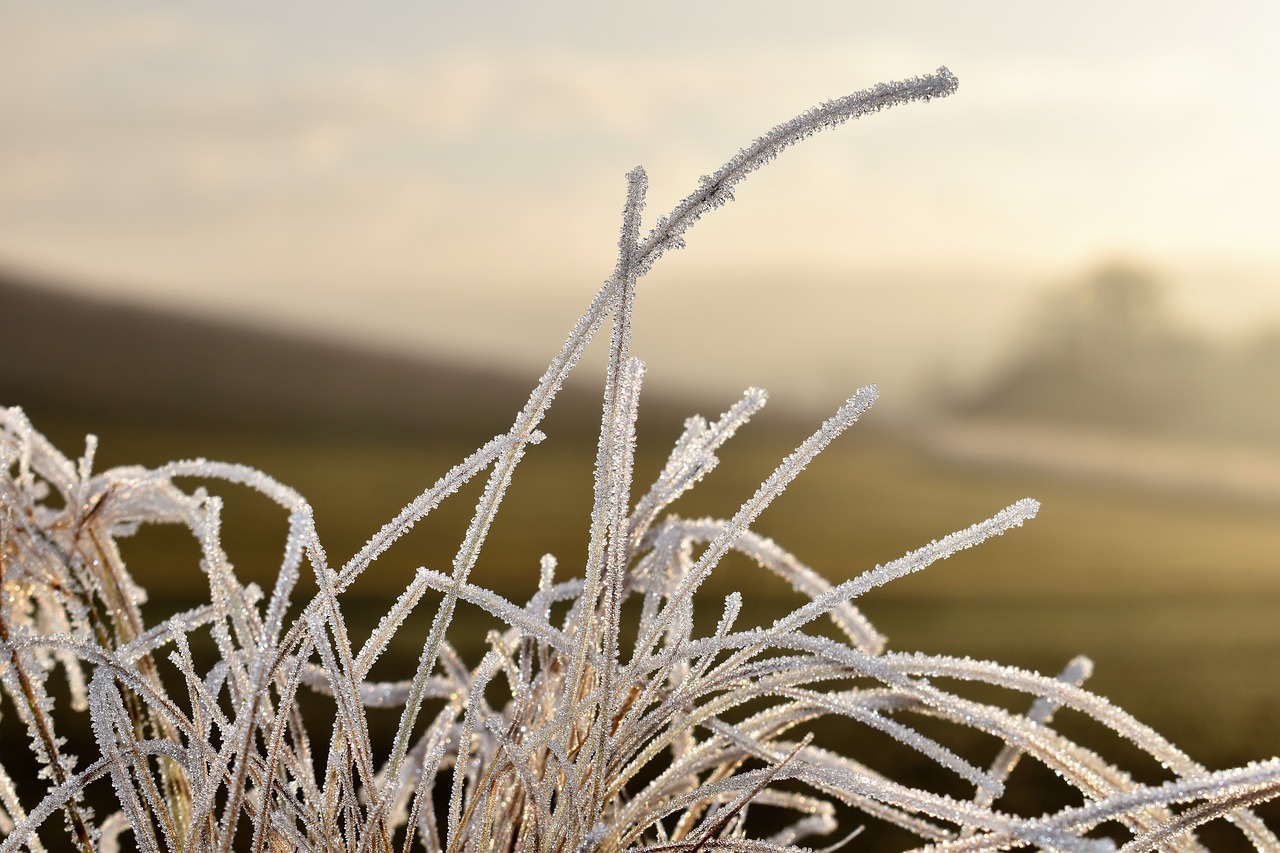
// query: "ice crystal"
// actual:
[[665, 740]]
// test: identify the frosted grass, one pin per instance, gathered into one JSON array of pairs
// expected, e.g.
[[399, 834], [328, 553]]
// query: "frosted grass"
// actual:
[[612, 728]]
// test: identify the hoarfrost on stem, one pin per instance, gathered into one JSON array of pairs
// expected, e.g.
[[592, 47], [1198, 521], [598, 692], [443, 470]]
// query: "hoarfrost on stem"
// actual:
[[674, 745]]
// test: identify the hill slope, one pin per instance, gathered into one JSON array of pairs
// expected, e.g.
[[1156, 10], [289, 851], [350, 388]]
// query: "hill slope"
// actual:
[[69, 356]]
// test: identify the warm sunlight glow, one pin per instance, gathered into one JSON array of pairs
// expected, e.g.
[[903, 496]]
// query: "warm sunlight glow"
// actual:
[[391, 175]]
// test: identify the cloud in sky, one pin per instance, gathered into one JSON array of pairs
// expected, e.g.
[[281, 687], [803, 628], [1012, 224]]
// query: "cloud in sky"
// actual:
[[409, 173]]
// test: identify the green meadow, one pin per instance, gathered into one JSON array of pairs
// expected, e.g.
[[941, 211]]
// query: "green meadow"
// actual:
[[1173, 596]]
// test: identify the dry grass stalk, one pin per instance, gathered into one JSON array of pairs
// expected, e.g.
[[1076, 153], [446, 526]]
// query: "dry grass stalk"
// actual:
[[676, 745]]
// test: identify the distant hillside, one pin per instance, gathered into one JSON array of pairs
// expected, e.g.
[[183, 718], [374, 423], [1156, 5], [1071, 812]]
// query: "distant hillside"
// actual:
[[73, 357], [1103, 355]]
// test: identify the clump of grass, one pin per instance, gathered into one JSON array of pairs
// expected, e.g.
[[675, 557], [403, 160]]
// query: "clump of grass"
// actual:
[[617, 726]]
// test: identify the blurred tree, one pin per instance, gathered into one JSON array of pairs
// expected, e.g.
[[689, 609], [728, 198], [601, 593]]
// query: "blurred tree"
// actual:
[[1104, 352]]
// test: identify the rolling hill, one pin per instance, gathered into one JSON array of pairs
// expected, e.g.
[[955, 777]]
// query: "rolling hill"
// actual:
[[71, 357]]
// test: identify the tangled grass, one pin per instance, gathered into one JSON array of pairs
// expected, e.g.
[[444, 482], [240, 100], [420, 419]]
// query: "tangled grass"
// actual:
[[619, 726]]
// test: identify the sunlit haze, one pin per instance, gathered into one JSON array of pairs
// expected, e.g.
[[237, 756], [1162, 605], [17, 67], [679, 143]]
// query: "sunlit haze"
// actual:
[[449, 177]]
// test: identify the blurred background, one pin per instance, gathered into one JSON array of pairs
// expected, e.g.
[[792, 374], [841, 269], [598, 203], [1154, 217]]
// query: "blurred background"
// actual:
[[342, 244]]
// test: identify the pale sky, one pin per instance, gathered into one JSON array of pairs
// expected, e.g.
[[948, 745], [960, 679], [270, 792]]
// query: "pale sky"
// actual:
[[448, 177]]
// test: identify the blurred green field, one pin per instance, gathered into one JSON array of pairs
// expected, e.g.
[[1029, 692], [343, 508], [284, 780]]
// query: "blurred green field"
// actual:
[[867, 499], [1175, 597]]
